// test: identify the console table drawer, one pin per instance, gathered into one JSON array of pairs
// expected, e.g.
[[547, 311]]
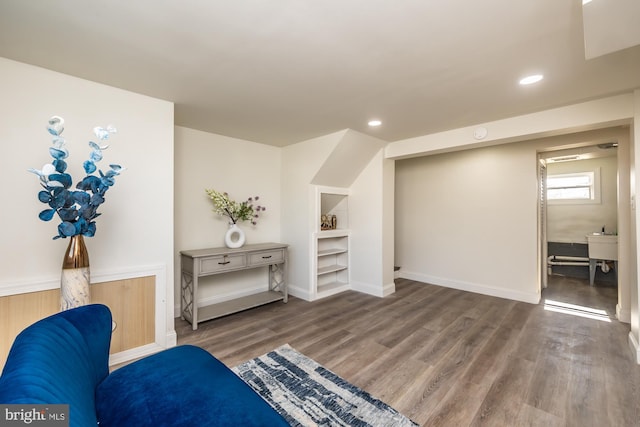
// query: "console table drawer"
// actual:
[[274, 256], [215, 264]]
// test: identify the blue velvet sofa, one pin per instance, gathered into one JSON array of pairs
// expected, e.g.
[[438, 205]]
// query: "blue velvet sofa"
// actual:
[[63, 359]]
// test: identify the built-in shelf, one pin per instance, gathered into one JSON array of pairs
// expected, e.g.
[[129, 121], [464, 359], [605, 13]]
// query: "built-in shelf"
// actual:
[[333, 233], [331, 269], [332, 288], [333, 203], [332, 262], [332, 251], [331, 254]]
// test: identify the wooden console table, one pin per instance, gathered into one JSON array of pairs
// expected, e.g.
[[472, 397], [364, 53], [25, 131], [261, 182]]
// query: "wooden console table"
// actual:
[[206, 262]]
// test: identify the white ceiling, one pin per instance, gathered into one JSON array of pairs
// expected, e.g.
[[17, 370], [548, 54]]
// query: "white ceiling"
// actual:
[[282, 71], [610, 26]]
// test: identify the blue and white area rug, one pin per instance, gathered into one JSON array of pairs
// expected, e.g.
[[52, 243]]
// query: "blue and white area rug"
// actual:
[[307, 394]]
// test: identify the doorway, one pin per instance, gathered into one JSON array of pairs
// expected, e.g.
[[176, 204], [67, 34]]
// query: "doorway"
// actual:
[[586, 196]]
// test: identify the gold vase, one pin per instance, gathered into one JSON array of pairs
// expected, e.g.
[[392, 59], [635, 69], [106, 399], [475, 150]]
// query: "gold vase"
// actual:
[[74, 284]]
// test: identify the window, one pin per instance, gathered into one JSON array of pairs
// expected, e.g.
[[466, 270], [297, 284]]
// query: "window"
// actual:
[[574, 188]]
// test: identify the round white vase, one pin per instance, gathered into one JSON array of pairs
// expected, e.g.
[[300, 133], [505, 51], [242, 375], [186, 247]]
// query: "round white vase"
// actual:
[[234, 237]]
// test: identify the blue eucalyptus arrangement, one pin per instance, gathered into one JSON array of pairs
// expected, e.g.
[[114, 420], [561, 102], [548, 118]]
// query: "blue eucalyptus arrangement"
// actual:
[[77, 209]]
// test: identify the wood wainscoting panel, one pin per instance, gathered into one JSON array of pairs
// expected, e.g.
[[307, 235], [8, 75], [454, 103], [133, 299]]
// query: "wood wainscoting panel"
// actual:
[[131, 301], [19, 311], [132, 304]]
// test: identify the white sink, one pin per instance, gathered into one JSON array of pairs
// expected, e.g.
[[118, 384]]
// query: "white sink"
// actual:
[[603, 246]]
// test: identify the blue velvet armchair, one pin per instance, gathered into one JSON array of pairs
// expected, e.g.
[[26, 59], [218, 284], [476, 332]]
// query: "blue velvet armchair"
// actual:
[[63, 359]]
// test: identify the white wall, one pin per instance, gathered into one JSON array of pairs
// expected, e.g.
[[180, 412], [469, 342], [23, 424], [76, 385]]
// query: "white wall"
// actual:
[[372, 231], [467, 198], [570, 223], [634, 335], [596, 114], [626, 243], [241, 168], [135, 232], [599, 116], [467, 220], [300, 163], [346, 159]]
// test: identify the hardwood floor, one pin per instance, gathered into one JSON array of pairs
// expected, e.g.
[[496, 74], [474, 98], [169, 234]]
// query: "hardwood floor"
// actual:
[[445, 357]]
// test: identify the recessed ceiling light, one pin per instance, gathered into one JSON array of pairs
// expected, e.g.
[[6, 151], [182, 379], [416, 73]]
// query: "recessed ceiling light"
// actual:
[[374, 123], [534, 78]]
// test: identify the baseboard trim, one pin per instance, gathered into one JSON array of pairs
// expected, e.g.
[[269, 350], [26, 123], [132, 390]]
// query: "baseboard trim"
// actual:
[[376, 291], [635, 347], [623, 316], [134, 353], [388, 289], [365, 288], [299, 293], [126, 356], [172, 339], [472, 287]]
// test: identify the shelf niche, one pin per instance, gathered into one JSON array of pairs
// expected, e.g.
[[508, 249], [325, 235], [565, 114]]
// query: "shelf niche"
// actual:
[[334, 204], [333, 263], [331, 257]]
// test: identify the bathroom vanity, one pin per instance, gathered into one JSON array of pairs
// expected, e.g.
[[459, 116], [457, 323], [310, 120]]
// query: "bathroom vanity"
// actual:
[[602, 247]]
